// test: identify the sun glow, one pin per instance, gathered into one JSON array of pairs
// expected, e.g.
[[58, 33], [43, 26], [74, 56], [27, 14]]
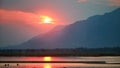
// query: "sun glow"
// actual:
[[46, 20], [47, 66], [47, 58]]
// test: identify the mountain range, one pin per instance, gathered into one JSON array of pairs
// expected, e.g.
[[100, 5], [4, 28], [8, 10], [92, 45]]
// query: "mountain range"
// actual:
[[95, 32]]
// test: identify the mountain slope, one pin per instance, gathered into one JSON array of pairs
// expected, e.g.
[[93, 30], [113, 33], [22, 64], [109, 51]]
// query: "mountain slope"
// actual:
[[96, 31]]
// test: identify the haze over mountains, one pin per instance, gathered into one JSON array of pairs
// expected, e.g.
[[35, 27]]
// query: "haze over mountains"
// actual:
[[96, 31], [12, 33]]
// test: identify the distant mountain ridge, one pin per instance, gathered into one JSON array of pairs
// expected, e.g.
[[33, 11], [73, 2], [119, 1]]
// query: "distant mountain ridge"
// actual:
[[95, 32]]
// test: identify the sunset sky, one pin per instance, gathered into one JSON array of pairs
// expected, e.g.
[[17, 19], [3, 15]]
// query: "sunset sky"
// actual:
[[29, 12], [63, 11]]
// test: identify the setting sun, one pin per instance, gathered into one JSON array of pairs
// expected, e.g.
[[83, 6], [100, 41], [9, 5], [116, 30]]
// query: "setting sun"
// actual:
[[46, 20]]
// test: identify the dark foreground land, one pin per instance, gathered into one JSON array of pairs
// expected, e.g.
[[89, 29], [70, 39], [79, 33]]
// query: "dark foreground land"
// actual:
[[113, 51]]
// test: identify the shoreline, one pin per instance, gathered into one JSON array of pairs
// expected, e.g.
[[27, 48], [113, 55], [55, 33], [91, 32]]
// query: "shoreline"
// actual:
[[88, 62]]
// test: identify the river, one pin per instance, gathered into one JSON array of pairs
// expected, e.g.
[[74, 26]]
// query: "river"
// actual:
[[110, 62]]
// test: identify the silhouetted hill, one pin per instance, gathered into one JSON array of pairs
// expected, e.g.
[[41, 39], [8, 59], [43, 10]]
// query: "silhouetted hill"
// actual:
[[40, 41], [96, 31]]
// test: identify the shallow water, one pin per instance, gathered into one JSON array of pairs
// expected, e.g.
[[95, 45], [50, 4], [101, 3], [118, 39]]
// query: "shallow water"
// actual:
[[108, 59]]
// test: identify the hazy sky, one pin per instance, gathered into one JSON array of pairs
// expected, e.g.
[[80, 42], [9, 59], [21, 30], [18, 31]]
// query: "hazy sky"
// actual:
[[63, 11], [22, 13]]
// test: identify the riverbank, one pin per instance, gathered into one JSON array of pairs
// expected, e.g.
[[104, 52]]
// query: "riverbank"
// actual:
[[113, 51]]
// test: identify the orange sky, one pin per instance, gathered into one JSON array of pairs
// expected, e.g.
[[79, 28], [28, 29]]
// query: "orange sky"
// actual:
[[19, 16], [27, 17], [32, 19]]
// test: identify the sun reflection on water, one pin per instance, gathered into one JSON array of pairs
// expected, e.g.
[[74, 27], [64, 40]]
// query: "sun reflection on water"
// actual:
[[47, 58], [47, 66]]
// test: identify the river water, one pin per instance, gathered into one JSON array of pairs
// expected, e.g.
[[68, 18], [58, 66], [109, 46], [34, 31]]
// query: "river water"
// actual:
[[111, 62]]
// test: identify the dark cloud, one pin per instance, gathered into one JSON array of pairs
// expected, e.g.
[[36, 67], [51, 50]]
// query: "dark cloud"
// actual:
[[20, 5]]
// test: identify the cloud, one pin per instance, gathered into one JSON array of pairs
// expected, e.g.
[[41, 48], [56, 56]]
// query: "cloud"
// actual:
[[18, 16], [103, 2], [114, 2], [82, 1], [31, 20]]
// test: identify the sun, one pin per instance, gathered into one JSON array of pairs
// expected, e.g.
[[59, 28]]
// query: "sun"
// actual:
[[46, 20]]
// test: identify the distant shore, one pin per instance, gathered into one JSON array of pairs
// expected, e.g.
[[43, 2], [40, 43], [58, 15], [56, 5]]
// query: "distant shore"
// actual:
[[90, 62], [113, 51]]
